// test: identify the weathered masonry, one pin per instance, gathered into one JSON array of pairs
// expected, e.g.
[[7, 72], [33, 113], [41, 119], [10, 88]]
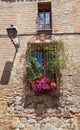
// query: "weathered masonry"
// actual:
[[58, 20]]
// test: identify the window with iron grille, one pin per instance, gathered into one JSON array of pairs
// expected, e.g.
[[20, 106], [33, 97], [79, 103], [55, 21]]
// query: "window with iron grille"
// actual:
[[42, 69], [44, 16]]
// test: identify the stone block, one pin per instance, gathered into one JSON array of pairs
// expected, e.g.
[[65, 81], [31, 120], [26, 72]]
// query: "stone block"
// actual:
[[49, 126], [27, 128], [15, 122], [21, 126]]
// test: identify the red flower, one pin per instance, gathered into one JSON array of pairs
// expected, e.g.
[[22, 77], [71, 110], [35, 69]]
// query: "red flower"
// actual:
[[44, 84]]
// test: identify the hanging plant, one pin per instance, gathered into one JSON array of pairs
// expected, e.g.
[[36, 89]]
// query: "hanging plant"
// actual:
[[33, 69], [55, 52]]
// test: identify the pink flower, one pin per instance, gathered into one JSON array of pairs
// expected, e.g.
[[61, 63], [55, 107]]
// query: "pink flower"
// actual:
[[43, 85]]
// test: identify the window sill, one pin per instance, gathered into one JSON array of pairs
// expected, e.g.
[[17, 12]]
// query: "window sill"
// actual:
[[45, 31]]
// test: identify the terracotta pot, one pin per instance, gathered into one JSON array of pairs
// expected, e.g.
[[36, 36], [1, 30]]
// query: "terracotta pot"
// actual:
[[33, 85]]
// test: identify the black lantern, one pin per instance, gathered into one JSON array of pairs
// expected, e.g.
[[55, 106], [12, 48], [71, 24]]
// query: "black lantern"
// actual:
[[12, 32]]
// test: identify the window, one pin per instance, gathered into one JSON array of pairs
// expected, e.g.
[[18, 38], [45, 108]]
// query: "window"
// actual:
[[44, 16]]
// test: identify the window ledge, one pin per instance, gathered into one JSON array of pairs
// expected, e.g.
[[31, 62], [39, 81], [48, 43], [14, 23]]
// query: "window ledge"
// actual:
[[45, 31]]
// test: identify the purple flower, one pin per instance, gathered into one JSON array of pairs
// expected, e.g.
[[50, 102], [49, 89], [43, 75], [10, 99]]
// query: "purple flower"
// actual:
[[42, 85]]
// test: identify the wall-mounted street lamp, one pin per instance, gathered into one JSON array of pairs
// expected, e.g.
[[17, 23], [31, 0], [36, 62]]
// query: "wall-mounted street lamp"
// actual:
[[12, 33]]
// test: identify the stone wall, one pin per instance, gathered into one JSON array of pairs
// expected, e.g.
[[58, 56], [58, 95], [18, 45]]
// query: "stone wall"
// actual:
[[42, 112]]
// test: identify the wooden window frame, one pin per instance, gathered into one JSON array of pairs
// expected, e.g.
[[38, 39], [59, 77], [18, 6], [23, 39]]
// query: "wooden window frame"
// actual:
[[44, 7]]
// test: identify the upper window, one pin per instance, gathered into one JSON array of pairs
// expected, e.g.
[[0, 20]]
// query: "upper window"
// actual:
[[44, 16]]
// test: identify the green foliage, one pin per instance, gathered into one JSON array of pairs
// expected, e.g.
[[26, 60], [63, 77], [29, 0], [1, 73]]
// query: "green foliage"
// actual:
[[57, 57], [54, 59], [33, 69]]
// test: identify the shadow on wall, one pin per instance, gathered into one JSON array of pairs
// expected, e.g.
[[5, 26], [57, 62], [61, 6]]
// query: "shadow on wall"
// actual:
[[41, 104], [6, 73]]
